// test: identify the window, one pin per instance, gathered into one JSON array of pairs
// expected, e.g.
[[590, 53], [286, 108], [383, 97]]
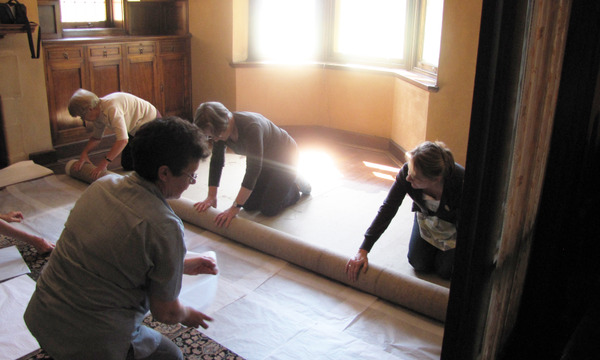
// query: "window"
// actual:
[[87, 14], [392, 33]]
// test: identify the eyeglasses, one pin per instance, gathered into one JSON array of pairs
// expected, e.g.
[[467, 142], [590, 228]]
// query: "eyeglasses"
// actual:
[[192, 177]]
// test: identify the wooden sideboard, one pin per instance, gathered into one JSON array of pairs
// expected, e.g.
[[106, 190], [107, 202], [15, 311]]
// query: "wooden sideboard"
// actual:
[[156, 69]]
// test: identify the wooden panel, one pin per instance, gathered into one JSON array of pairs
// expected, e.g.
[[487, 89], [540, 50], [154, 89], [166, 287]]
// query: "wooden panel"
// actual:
[[172, 46], [3, 150], [157, 18], [141, 48], [109, 51], [65, 53], [105, 68], [173, 89], [105, 77], [142, 78], [49, 14]]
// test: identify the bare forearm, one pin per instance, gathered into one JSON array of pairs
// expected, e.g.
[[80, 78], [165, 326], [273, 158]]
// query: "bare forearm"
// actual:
[[116, 149], [243, 195], [91, 144], [10, 231]]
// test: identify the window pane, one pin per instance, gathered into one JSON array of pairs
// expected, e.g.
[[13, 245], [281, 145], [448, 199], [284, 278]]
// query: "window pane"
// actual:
[[370, 28], [117, 10], [82, 10], [433, 32], [286, 29]]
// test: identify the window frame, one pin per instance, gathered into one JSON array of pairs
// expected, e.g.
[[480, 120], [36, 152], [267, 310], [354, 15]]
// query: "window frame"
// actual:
[[413, 42], [106, 27]]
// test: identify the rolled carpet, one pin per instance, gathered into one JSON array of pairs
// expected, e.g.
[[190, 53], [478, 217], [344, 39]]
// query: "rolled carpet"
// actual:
[[413, 293]]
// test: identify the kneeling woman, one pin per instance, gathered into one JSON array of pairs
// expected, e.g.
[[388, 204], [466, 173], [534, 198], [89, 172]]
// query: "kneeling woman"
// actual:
[[269, 184], [434, 182]]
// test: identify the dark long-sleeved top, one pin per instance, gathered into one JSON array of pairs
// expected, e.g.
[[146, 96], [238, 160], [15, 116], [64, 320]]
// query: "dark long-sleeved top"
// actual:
[[263, 143], [448, 209]]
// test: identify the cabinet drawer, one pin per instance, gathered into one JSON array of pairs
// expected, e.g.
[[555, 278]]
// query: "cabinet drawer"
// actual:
[[70, 53], [104, 51], [141, 48], [172, 46]]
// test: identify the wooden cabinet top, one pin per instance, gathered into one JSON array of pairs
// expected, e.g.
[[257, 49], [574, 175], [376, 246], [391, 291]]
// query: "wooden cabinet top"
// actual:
[[106, 39]]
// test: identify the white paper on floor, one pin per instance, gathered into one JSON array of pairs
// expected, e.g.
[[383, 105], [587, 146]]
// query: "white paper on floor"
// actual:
[[199, 291], [11, 263], [15, 339], [266, 308]]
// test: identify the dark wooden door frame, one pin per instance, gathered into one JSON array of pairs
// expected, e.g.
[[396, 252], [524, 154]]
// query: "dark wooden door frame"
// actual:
[[520, 55]]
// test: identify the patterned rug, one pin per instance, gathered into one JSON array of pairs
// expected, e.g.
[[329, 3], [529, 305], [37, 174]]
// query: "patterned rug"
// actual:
[[193, 344]]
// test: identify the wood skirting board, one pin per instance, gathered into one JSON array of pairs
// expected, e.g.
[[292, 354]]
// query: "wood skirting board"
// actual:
[[320, 133]]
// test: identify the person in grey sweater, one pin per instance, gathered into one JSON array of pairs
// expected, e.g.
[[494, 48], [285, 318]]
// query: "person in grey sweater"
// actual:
[[270, 183]]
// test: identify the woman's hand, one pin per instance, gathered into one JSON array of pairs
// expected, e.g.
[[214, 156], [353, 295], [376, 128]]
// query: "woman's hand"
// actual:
[[82, 160], [195, 318], [208, 202], [41, 245], [224, 218], [99, 170], [353, 266], [12, 216], [200, 265]]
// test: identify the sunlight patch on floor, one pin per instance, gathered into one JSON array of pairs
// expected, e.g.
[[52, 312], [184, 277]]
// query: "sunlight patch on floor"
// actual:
[[319, 168], [390, 170]]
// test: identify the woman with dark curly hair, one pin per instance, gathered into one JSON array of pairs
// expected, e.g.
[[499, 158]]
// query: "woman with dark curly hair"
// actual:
[[121, 254]]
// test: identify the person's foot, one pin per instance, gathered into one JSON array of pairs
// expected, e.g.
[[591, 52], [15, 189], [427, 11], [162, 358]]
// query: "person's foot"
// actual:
[[303, 185]]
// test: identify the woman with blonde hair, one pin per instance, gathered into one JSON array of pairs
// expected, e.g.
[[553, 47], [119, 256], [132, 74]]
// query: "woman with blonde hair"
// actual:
[[434, 182]]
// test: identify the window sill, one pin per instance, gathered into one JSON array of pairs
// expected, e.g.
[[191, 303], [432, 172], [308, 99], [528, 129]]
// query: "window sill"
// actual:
[[92, 32], [425, 82]]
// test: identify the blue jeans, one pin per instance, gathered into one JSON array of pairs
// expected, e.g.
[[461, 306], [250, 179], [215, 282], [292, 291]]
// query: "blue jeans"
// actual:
[[425, 257], [166, 350]]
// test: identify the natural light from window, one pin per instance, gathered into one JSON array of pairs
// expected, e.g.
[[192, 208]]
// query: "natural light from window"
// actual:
[[82, 10], [319, 168], [390, 171], [287, 30], [433, 32], [371, 28]]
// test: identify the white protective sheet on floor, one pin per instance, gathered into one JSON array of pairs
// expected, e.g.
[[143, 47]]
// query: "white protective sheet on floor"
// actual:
[[15, 338], [264, 308], [22, 171], [11, 263]]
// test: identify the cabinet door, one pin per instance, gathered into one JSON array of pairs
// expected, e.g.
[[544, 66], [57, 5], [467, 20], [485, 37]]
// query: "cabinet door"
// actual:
[[65, 73], [141, 71], [174, 82], [105, 69]]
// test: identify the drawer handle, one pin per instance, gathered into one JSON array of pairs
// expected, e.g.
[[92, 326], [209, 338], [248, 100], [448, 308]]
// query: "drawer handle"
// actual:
[[141, 50], [66, 55], [105, 53]]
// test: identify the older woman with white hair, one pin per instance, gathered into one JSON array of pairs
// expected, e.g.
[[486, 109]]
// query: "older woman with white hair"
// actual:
[[121, 112]]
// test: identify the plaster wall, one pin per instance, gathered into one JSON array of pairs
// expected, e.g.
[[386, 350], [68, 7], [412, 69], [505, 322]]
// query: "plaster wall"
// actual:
[[355, 101], [23, 93]]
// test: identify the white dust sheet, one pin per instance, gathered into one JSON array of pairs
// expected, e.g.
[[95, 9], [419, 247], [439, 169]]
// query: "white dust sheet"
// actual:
[[15, 339], [11, 263], [264, 307]]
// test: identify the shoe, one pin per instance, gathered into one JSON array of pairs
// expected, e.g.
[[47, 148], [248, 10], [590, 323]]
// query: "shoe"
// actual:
[[303, 185]]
